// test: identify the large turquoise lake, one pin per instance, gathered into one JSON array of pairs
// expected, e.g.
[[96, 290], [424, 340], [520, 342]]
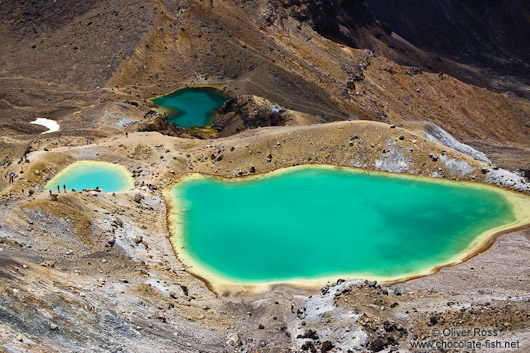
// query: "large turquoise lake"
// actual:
[[316, 222], [92, 174], [189, 107]]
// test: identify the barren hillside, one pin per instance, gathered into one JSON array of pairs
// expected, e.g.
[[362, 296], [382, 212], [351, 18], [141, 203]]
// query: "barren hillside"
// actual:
[[395, 88]]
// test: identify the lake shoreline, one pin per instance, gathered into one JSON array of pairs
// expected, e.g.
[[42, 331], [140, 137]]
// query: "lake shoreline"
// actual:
[[174, 105], [122, 171], [220, 282]]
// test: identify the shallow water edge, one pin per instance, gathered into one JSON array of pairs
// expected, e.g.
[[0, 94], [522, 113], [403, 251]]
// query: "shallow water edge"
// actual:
[[122, 171], [519, 203], [174, 106]]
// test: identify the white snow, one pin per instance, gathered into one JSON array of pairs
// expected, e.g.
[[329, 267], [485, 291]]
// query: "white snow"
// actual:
[[50, 124], [439, 135]]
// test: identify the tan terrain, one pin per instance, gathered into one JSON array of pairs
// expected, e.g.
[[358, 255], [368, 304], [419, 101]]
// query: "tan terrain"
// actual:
[[96, 272]]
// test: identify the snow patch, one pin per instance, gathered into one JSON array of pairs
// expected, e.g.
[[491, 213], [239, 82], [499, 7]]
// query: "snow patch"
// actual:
[[441, 136], [50, 124]]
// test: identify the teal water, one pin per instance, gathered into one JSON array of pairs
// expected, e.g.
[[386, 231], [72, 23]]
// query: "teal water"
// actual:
[[191, 106], [89, 175], [318, 222]]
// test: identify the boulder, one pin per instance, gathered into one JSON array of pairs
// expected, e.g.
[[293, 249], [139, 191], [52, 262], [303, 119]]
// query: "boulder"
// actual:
[[233, 340], [137, 198], [433, 157], [309, 334], [326, 346], [377, 345], [524, 173]]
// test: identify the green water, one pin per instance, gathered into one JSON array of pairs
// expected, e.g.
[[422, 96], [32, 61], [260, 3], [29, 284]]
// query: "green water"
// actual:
[[191, 106], [89, 175], [314, 222]]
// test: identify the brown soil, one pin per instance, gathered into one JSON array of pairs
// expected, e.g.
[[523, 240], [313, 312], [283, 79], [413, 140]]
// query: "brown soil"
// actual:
[[96, 272]]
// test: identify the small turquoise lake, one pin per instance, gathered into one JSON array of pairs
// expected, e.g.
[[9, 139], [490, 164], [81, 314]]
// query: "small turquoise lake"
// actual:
[[189, 107], [323, 222], [90, 175]]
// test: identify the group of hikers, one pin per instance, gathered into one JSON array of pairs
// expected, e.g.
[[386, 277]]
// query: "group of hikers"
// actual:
[[59, 189], [64, 189]]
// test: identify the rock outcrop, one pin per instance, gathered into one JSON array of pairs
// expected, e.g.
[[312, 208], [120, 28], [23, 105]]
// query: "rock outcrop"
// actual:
[[159, 122], [248, 112]]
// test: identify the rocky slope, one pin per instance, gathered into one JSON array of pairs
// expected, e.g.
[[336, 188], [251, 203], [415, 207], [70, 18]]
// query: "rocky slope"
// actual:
[[479, 42], [130, 52], [96, 272]]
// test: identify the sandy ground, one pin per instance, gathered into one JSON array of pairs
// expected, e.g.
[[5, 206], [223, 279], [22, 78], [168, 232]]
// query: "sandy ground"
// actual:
[[96, 272]]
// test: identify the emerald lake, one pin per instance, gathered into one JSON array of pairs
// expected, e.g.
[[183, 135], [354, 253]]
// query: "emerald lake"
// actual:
[[320, 222], [189, 107], [92, 174]]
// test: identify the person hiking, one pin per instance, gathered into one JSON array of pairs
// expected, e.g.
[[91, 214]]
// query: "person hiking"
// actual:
[[58, 188], [64, 188]]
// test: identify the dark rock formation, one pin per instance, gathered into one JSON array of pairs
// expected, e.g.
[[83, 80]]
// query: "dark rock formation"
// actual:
[[247, 112], [326, 346], [309, 334], [158, 122]]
